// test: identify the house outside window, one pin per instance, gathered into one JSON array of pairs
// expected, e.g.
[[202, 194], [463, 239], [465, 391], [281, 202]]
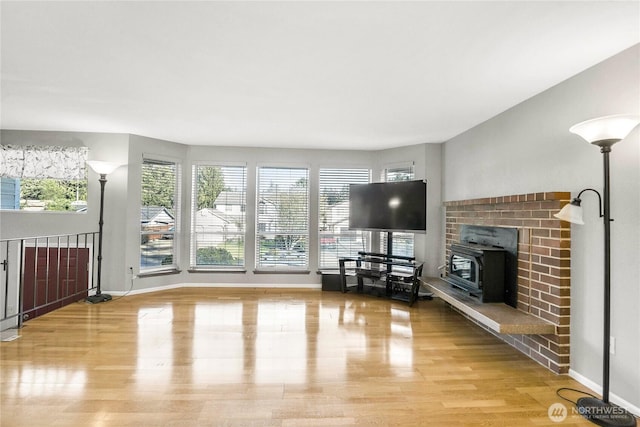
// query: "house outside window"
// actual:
[[335, 238], [218, 216], [282, 215], [159, 214]]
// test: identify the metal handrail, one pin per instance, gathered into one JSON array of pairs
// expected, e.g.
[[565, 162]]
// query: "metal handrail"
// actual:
[[15, 310]]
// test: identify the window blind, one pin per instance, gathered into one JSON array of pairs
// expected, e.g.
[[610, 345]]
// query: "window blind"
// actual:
[[282, 229], [335, 238], [218, 216], [159, 214]]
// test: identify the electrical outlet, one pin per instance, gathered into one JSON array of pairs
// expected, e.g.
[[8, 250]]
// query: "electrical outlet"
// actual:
[[612, 345]]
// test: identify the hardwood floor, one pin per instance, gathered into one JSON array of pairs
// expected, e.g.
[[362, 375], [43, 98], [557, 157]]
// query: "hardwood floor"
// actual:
[[247, 357]]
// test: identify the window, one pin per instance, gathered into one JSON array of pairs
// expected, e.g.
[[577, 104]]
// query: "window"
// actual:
[[398, 173], [218, 216], [282, 229], [402, 242], [159, 214], [335, 238], [43, 178]]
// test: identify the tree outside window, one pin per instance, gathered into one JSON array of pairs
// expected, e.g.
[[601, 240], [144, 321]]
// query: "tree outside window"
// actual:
[[158, 214], [218, 216]]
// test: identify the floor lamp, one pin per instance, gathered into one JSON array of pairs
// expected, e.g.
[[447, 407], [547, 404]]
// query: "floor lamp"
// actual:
[[603, 132], [102, 168]]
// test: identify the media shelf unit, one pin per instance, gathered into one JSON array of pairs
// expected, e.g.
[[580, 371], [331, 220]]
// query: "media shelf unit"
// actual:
[[393, 276], [498, 317]]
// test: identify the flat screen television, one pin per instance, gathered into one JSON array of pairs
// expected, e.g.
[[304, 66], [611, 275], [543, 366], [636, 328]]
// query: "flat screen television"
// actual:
[[388, 206]]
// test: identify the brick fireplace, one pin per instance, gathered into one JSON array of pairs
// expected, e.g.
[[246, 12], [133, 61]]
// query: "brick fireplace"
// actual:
[[544, 254]]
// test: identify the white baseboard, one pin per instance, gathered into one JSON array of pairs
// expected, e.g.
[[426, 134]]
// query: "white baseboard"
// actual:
[[144, 290], [598, 389], [216, 285]]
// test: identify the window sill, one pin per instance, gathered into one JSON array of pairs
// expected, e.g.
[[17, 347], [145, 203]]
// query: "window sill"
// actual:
[[329, 271], [217, 270], [281, 272], [159, 272]]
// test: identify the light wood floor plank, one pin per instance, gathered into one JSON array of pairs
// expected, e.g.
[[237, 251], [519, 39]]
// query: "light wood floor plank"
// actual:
[[258, 357]]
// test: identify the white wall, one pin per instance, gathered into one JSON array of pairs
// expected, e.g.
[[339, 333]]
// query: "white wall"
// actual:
[[528, 149]]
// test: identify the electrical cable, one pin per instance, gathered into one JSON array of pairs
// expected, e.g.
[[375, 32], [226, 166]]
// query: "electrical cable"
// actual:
[[123, 295], [126, 293], [574, 390]]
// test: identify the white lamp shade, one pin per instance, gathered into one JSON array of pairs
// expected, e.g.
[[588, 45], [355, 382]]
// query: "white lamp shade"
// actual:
[[103, 168], [606, 128], [572, 213]]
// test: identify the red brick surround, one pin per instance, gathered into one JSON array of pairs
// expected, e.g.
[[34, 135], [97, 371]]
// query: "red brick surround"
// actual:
[[544, 256]]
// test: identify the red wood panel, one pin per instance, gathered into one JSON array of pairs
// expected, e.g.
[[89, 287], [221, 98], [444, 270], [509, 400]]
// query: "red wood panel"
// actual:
[[53, 278]]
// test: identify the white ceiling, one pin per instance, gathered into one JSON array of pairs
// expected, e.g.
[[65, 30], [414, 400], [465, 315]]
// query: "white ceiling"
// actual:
[[339, 75]]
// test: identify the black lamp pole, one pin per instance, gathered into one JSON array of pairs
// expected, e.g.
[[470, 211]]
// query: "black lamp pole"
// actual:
[[605, 149], [601, 412], [99, 296]]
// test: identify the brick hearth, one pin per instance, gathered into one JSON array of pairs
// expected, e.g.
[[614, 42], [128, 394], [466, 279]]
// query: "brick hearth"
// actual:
[[544, 261]]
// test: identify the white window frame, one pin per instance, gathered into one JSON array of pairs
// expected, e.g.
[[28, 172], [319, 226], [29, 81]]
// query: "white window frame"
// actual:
[[268, 260], [195, 232], [342, 241], [398, 236], [166, 234]]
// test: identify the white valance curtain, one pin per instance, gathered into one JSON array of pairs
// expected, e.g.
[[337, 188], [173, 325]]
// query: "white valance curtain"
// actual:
[[43, 161]]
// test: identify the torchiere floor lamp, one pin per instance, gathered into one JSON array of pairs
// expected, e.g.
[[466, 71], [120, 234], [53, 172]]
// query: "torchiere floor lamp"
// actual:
[[603, 132], [102, 168]]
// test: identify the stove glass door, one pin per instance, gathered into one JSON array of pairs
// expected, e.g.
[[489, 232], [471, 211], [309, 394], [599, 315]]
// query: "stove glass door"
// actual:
[[463, 267]]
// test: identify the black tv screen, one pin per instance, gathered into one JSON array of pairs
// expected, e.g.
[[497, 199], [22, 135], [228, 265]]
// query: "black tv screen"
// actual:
[[388, 206]]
